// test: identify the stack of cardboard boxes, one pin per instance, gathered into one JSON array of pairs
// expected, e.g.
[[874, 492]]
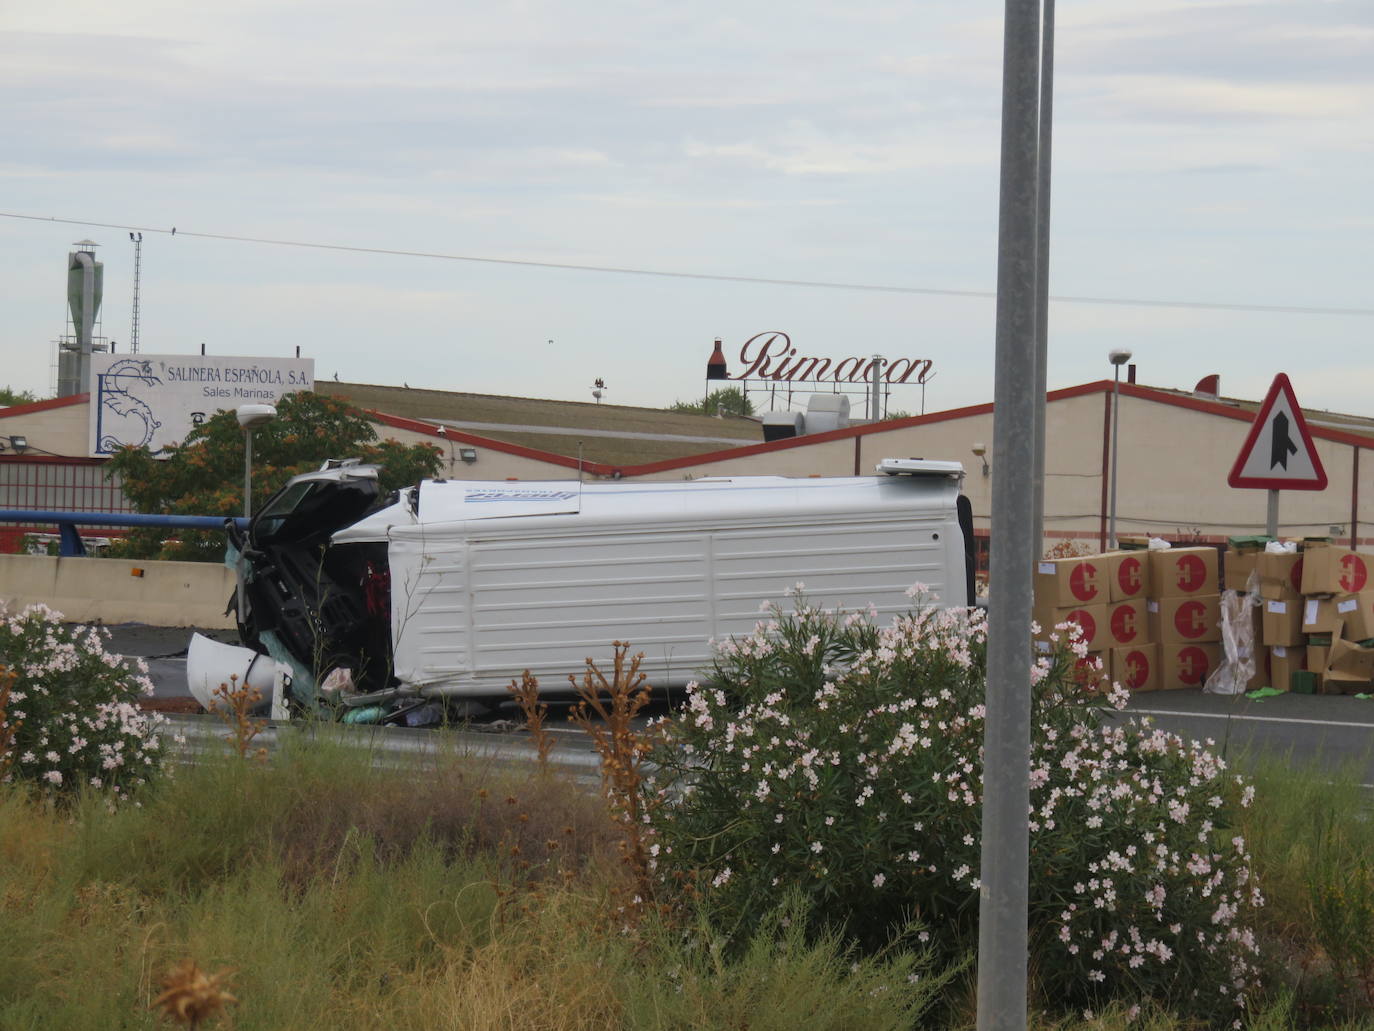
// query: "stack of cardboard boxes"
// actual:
[[1150, 617], [1316, 614]]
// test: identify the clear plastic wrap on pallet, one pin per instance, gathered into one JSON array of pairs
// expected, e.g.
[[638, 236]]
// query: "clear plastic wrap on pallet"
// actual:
[[1239, 646]]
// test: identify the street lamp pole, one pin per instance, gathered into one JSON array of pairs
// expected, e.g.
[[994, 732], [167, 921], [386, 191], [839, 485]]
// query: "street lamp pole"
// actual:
[[250, 417], [1118, 358]]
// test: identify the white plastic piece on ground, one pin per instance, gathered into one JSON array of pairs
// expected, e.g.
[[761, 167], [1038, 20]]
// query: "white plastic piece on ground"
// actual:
[[1159, 544], [1281, 548], [210, 663], [1237, 666]]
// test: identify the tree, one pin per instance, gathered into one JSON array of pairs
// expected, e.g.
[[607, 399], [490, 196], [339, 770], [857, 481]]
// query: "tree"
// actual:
[[730, 401], [10, 396], [203, 475]]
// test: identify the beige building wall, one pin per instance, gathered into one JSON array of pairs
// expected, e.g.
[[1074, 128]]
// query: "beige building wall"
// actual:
[[62, 430], [1174, 463]]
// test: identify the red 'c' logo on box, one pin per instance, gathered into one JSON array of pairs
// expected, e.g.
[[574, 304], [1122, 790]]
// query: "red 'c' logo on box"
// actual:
[[1086, 621], [1083, 581], [1124, 624], [1137, 669], [1192, 573], [1353, 574], [1192, 665], [1128, 575], [1295, 577], [1190, 619]]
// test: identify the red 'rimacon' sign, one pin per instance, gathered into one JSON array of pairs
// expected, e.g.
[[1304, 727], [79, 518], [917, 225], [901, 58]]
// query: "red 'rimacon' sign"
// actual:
[[770, 355]]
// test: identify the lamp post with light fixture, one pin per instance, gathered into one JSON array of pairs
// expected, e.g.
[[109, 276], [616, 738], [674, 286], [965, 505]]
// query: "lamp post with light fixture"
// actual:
[[250, 417], [1118, 357]]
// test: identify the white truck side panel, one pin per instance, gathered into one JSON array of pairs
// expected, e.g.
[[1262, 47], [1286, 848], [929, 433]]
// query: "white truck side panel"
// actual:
[[471, 610]]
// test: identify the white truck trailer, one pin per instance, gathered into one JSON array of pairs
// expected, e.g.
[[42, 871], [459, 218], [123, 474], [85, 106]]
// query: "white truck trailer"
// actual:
[[450, 589]]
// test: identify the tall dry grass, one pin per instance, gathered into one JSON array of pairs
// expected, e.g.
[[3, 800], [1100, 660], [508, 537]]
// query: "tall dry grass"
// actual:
[[347, 897]]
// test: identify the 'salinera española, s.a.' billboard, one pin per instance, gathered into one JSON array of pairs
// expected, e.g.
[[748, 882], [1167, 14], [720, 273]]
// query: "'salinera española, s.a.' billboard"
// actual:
[[153, 400]]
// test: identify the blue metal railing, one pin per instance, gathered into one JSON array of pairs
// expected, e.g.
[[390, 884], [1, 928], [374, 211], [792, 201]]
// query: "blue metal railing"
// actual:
[[67, 522]]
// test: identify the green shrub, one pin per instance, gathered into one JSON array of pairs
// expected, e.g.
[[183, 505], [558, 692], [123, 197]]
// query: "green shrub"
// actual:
[[73, 719], [845, 759]]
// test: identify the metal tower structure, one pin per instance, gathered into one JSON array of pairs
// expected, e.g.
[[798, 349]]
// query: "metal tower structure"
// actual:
[[137, 238]]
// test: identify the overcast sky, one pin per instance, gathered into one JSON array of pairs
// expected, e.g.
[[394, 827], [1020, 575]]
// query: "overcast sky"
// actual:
[[1204, 152]]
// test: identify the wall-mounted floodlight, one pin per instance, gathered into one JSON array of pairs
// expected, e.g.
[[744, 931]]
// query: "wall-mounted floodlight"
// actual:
[[20, 443], [468, 454], [980, 451]]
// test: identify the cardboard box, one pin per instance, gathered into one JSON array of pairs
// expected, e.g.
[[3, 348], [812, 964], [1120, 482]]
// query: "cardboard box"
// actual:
[[1283, 663], [1136, 668], [1127, 624], [1280, 576], [1356, 613], [1186, 665], [1316, 659], [1350, 667], [1128, 575], [1262, 676], [1183, 572], [1319, 616], [1064, 582], [1327, 569], [1091, 618], [1283, 623], [1176, 620], [1242, 559]]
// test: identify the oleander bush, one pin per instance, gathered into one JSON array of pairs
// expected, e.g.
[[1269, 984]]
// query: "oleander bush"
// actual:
[[842, 757], [71, 718]]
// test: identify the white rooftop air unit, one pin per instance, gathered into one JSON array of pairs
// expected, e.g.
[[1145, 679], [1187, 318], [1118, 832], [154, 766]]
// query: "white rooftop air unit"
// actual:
[[781, 425], [826, 412]]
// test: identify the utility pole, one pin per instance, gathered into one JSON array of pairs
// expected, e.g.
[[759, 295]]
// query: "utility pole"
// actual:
[[137, 238], [1018, 427]]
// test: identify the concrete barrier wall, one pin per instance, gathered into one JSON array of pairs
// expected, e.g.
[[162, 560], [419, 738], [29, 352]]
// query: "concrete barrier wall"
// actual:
[[85, 590]]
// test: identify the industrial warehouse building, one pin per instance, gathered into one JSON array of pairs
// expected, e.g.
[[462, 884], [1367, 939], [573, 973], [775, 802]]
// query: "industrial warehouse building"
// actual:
[[1175, 451]]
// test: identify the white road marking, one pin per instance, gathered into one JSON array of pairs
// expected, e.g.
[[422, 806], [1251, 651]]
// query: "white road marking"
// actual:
[[1238, 716]]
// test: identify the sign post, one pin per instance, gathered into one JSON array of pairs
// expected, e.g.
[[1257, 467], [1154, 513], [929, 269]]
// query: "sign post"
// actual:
[[1278, 453]]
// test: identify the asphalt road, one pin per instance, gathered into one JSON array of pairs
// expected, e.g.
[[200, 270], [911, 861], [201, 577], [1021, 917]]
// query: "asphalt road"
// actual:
[[1326, 729]]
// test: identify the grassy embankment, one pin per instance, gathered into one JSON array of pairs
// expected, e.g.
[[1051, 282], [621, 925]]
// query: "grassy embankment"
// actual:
[[346, 897]]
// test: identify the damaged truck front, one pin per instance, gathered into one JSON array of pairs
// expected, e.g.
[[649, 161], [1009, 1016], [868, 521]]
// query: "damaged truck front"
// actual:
[[428, 603]]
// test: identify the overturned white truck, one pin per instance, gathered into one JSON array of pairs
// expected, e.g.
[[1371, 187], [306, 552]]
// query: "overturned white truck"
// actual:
[[440, 595]]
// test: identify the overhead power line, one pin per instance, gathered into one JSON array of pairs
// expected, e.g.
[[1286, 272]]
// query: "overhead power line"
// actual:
[[817, 284]]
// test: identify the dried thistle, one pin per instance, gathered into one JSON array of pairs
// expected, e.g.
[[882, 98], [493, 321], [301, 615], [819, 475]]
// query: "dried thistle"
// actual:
[[526, 695], [189, 995], [622, 751], [235, 703]]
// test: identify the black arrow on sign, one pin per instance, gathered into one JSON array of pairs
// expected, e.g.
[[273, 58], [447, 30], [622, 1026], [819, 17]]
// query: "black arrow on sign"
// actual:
[[1282, 445]]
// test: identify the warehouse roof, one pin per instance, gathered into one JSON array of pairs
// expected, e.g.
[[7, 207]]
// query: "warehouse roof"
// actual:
[[612, 435]]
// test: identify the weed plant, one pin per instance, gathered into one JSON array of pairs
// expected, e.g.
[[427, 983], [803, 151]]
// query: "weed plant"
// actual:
[[1313, 842]]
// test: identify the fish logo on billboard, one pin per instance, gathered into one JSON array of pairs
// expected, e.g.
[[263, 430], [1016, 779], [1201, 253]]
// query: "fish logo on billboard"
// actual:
[[125, 419]]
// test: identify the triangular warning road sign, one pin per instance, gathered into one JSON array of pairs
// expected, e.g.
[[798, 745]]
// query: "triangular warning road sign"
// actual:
[[1278, 453]]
